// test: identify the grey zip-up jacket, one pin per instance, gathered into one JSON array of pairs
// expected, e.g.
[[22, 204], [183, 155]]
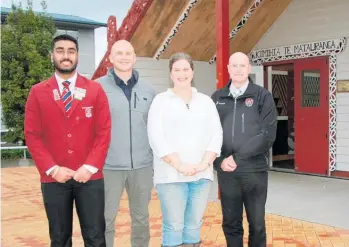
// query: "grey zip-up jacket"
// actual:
[[129, 147]]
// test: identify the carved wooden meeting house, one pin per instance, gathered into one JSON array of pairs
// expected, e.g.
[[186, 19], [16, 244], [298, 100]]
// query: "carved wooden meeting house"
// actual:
[[298, 50]]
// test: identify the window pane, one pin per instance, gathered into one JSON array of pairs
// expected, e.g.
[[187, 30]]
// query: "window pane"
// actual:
[[310, 95], [74, 34], [60, 32]]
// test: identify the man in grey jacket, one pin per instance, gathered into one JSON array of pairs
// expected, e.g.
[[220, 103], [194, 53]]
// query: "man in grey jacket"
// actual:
[[129, 163]]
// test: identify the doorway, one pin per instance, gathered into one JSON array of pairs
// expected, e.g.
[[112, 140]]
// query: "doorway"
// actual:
[[300, 89], [281, 85]]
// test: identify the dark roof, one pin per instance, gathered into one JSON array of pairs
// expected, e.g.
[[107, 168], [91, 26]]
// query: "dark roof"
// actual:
[[61, 19]]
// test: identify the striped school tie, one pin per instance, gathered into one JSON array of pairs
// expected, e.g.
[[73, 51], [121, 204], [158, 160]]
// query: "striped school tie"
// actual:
[[67, 97]]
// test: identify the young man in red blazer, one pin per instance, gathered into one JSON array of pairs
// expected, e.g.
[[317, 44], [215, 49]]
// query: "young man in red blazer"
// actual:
[[67, 131]]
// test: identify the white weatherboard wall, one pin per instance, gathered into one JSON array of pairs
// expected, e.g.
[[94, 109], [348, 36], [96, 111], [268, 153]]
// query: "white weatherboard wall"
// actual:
[[157, 73], [315, 20]]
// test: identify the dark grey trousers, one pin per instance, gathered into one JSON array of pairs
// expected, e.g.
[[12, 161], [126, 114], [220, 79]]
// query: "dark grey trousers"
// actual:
[[238, 190]]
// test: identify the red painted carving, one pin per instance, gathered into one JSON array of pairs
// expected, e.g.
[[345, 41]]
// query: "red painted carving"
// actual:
[[112, 37], [133, 18], [126, 30]]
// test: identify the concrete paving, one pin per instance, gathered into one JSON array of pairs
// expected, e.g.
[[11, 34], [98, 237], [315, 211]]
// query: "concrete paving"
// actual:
[[311, 198]]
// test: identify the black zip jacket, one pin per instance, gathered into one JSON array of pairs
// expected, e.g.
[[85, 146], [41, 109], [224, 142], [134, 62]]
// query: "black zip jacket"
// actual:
[[249, 127]]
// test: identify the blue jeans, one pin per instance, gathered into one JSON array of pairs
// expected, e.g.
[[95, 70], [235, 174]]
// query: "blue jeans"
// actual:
[[183, 206]]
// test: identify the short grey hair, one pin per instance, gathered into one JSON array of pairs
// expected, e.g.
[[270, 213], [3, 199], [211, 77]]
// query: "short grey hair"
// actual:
[[181, 56]]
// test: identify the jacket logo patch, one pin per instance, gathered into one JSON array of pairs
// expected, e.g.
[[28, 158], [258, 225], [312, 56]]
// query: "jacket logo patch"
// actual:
[[249, 102], [88, 111], [220, 103]]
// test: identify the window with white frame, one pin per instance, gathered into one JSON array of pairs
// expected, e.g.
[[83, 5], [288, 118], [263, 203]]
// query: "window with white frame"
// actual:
[[73, 33]]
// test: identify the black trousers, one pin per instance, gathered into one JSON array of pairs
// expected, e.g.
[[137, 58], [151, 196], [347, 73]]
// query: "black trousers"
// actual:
[[89, 202], [238, 190]]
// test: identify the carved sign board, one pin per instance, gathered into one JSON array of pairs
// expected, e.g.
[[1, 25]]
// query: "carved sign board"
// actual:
[[326, 45], [343, 86]]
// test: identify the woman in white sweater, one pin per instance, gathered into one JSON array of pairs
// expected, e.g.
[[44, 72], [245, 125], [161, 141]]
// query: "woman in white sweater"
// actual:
[[185, 134]]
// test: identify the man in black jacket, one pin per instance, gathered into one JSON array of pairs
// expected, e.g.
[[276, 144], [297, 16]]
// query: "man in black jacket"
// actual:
[[248, 117]]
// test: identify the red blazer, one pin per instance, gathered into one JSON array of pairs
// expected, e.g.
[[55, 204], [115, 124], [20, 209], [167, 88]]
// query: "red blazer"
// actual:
[[55, 138]]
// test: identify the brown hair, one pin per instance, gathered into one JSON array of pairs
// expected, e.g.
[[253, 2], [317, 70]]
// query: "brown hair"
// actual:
[[181, 56]]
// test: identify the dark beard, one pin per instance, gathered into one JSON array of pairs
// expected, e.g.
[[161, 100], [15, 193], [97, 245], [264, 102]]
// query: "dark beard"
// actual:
[[64, 71]]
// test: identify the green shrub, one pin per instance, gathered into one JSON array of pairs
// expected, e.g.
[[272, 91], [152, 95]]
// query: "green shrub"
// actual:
[[13, 154], [25, 60]]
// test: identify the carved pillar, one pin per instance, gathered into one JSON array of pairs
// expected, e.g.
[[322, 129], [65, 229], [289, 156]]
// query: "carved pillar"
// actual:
[[112, 37]]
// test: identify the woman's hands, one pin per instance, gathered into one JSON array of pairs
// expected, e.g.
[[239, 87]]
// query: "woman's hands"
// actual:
[[186, 169], [191, 170]]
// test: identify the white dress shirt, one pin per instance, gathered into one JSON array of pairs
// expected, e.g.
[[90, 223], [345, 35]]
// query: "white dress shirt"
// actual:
[[72, 81], [236, 92], [188, 130]]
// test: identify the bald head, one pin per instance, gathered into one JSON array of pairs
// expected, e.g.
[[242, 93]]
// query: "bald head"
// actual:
[[239, 67], [122, 56], [121, 45], [239, 57]]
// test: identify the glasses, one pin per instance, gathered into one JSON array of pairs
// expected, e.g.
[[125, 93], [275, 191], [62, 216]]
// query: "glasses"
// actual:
[[236, 66]]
